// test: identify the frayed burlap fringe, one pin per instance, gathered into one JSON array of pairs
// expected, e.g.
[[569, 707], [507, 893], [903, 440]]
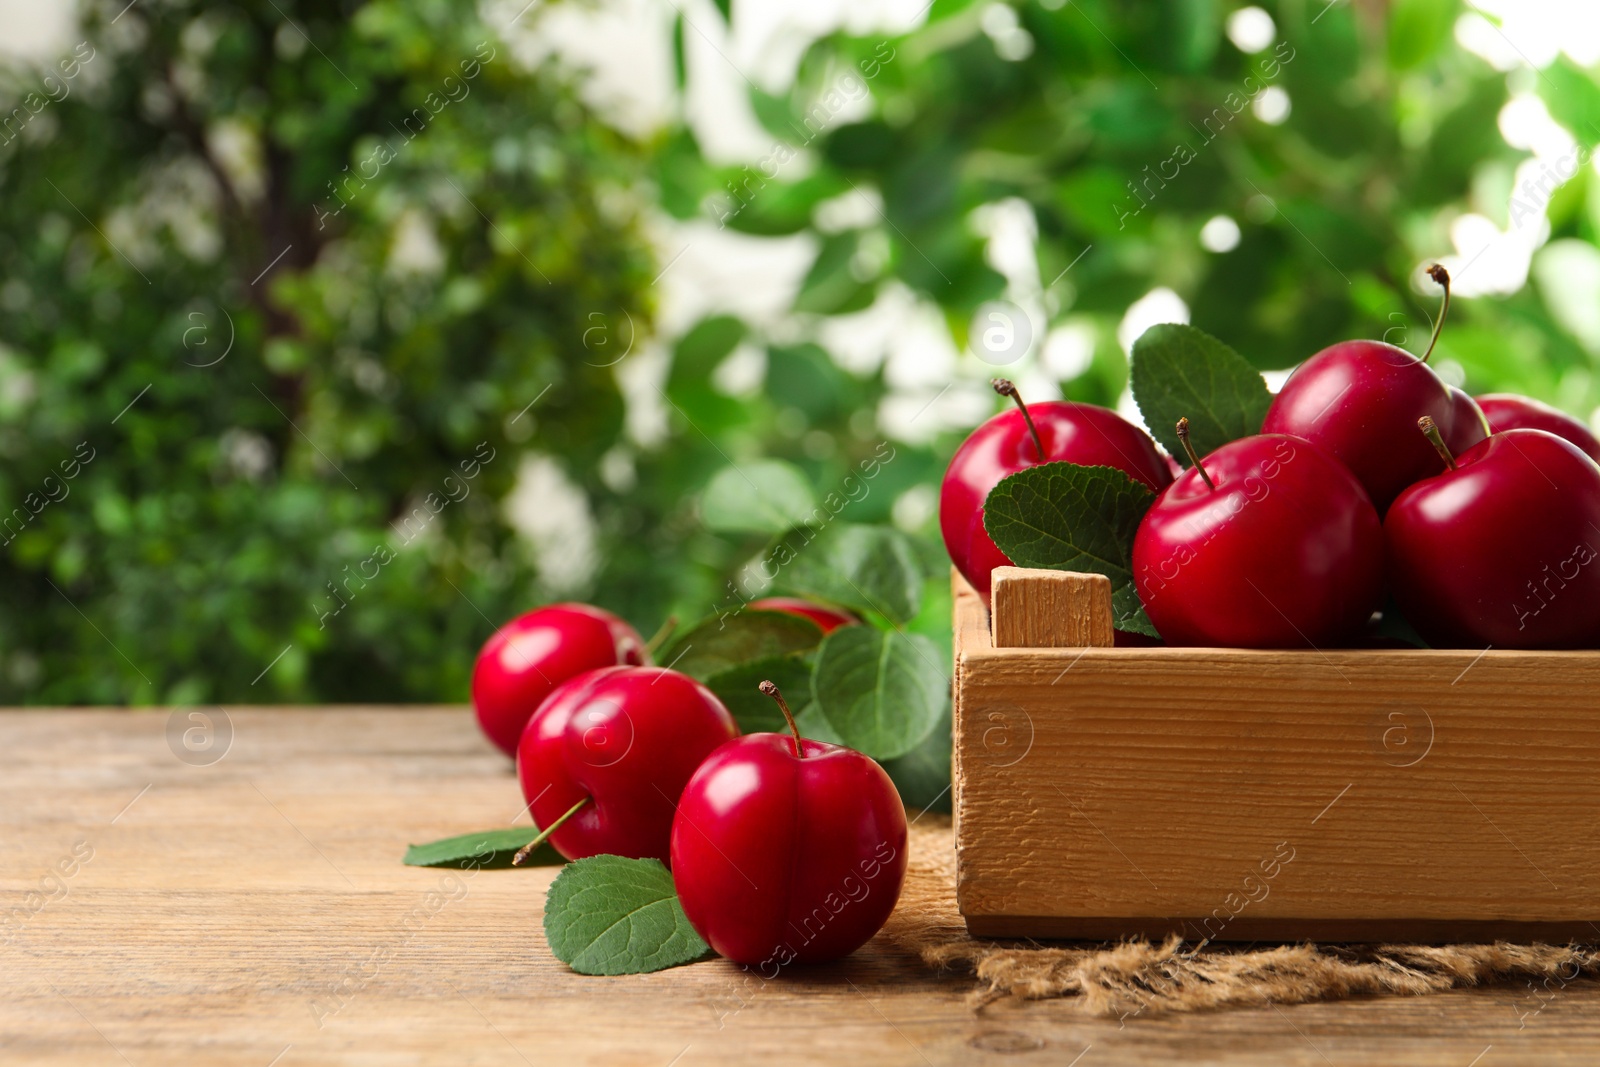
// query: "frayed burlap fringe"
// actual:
[[1141, 978]]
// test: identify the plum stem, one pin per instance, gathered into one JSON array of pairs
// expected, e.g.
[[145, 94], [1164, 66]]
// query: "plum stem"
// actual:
[[1442, 276], [1006, 387], [661, 636], [1431, 431], [769, 688], [1183, 439], [527, 850]]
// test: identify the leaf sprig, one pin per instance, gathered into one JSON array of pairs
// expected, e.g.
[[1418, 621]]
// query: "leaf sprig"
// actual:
[[1068, 517], [1179, 372], [1065, 516], [611, 915]]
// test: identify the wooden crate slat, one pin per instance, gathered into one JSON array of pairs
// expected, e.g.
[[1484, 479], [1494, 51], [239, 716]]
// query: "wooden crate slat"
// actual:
[[1242, 794]]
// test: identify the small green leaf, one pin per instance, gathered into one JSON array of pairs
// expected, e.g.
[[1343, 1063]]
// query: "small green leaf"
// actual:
[[1573, 96], [922, 776], [754, 711], [766, 496], [680, 68], [1416, 30], [831, 286], [814, 726], [870, 568], [785, 207], [882, 691], [723, 642], [610, 915], [1072, 518], [487, 850], [1181, 372], [698, 352], [935, 564]]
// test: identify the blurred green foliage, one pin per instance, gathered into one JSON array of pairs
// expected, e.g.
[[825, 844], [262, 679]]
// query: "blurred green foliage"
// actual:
[[312, 337], [405, 256], [1126, 127]]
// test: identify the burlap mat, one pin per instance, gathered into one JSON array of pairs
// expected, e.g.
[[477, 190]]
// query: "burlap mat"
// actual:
[[1141, 978]]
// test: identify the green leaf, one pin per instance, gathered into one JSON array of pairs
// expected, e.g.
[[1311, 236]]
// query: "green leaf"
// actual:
[[1072, 518], [804, 376], [922, 776], [785, 207], [1191, 32], [726, 7], [772, 112], [1416, 30], [882, 691], [831, 286], [487, 850], [723, 642], [680, 69], [870, 568], [767, 496], [1573, 97], [814, 726], [1181, 372], [754, 711], [935, 563], [610, 915], [699, 351]]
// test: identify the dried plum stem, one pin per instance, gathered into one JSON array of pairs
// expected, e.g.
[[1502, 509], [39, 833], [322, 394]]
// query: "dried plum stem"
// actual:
[[527, 850]]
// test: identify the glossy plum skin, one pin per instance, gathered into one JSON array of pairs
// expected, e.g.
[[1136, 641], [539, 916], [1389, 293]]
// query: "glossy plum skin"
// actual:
[[1360, 401], [629, 738], [781, 859], [830, 619], [1287, 552], [1072, 433], [1508, 411], [1502, 550], [535, 652]]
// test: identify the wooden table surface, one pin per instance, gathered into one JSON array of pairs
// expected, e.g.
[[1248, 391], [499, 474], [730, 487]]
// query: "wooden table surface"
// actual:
[[253, 911]]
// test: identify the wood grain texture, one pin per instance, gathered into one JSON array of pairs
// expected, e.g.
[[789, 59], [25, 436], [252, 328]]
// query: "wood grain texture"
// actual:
[[1248, 794], [224, 909], [1050, 609]]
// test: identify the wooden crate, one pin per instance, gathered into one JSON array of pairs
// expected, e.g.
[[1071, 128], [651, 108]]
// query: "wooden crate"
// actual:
[[1416, 795]]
